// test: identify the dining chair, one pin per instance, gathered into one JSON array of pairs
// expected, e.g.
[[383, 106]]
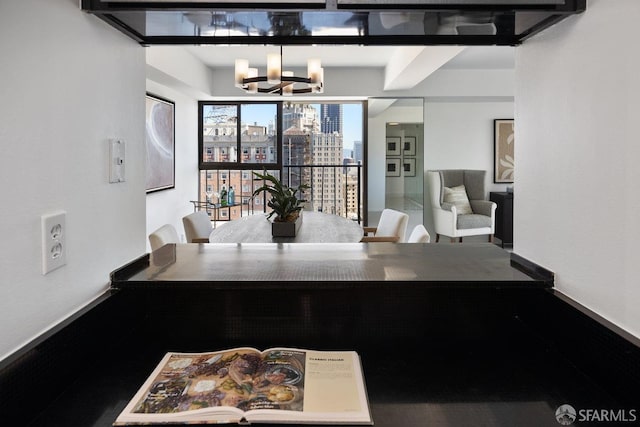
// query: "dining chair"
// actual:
[[197, 227], [419, 234], [162, 236], [391, 227]]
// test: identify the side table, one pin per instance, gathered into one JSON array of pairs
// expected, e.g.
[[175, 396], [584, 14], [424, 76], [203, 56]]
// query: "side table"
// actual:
[[504, 216]]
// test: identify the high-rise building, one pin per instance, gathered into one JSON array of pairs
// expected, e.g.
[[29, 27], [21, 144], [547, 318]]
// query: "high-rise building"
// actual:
[[353, 190], [300, 116], [331, 118], [347, 161], [296, 150], [328, 194], [357, 151]]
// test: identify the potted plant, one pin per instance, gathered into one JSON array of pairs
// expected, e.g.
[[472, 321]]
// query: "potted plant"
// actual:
[[285, 204]]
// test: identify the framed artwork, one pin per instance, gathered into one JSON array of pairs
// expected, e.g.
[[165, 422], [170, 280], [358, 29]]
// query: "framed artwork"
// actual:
[[393, 167], [409, 146], [393, 146], [503, 158], [409, 167], [160, 143]]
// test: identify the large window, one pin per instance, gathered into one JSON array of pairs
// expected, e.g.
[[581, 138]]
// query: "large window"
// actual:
[[239, 135], [317, 144]]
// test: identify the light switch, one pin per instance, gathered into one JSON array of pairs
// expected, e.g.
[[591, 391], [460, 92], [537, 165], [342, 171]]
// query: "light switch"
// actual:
[[116, 160]]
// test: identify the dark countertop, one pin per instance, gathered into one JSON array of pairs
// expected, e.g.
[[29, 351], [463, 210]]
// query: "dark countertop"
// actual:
[[436, 363], [337, 265], [449, 335]]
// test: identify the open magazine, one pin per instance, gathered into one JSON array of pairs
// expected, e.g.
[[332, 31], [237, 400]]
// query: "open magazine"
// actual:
[[244, 385]]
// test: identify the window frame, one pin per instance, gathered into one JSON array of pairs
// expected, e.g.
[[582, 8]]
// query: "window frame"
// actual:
[[239, 164], [279, 147]]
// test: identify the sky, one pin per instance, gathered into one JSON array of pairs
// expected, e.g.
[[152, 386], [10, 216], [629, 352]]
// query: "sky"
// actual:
[[351, 119], [351, 123]]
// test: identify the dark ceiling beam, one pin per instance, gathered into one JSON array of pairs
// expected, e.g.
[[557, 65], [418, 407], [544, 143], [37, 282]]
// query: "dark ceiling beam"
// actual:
[[365, 40], [530, 17], [568, 6]]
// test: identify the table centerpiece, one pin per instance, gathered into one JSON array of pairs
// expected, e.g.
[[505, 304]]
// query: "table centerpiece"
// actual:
[[285, 204]]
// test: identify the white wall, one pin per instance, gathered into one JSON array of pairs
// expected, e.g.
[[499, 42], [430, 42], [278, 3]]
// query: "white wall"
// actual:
[[577, 198], [69, 83], [459, 135], [176, 68], [169, 206]]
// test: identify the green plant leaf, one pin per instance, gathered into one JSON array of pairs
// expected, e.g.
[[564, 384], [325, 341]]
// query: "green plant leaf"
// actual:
[[284, 199]]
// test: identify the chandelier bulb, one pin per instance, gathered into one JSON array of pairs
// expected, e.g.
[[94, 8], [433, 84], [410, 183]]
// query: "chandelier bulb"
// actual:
[[252, 87], [241, 71], [314, 67], [274, 68], [282, 82]]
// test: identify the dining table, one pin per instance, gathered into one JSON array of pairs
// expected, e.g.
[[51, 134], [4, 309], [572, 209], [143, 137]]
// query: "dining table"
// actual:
[[316, 227]]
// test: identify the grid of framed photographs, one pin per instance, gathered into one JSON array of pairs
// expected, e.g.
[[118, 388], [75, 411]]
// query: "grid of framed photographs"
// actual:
[[401, 152]]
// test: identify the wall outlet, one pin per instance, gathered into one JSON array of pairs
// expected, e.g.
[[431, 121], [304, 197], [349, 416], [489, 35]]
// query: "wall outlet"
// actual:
[[54, 246]]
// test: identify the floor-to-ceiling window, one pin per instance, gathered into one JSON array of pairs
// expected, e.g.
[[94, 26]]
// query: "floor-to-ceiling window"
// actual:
[[319, 144]]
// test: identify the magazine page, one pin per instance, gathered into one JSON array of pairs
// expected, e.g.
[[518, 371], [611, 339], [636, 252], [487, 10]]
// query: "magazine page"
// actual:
[[334, 391], [218, 386], [274, 380], [191, 387]]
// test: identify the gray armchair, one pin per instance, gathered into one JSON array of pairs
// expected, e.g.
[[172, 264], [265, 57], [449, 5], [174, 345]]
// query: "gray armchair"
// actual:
[[456, 214]]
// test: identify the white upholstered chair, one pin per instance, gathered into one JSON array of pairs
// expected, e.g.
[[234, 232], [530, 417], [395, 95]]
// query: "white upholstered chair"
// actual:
[[162, 236], [391, 227], [458, 204], [197, 227], [419, 234]]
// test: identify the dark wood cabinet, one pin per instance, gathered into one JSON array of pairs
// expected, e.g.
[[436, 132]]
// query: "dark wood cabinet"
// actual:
[[504, 216]]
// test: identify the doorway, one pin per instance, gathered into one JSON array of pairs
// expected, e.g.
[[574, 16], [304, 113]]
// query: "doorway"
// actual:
[[404, 190], [396, 158]]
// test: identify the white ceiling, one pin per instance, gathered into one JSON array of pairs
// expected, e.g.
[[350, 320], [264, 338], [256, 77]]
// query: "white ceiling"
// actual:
[[484, 57], [404, 66], [472, 57]]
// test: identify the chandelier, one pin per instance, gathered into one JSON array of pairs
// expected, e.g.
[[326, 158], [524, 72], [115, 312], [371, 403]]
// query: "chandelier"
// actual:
[[277, 81]]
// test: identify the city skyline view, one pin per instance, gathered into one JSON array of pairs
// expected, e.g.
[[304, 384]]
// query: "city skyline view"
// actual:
[[351, 119], [311, 144]]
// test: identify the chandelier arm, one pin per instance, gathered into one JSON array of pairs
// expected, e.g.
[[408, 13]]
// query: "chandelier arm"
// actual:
[[284, 79], [304, 90], [271, 90], [257, 79], [294, 79]]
